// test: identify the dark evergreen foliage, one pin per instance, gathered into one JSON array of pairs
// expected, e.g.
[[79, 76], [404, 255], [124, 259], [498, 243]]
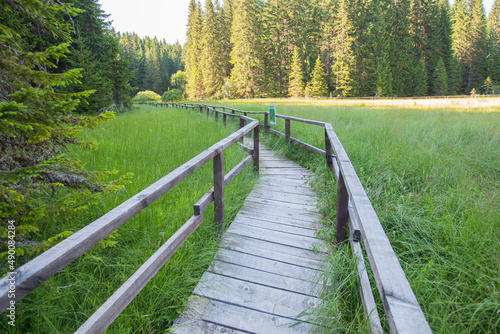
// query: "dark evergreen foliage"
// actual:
[[367, 47]]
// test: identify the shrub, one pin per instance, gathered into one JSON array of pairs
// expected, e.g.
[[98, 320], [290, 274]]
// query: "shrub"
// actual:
[[172, 95], [147, 96]]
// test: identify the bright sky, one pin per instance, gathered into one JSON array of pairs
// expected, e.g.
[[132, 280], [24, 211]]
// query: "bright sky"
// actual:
[[161, 18], [165, 19]]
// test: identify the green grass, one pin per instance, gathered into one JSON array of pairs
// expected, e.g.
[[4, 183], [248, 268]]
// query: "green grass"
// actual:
[[433, 176], [149, 142]]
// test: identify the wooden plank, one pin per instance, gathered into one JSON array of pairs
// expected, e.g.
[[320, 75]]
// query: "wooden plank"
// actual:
[[272, 251], [108, 311], [281, 267], [203, 202], [401, 306], [302, 120], [283, 219], [269, 211], [307, 146], [237, 170], [219, 191], [256, 153], [254, 296], [233, 316], [272, 226], [44, 266], [264, 278], [302, 191], [278, 237], [342, 211], [282, 196], [303, 208]]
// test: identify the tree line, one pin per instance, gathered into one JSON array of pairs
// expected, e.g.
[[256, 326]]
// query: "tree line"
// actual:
[[276, 48], [153, 62]]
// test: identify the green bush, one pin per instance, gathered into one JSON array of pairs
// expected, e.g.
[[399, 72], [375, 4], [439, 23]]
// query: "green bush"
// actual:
[[172, 95], [147, 96]]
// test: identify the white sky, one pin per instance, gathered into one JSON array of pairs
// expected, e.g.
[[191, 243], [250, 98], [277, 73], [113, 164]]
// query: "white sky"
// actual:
[[165, 19], [161, 18]]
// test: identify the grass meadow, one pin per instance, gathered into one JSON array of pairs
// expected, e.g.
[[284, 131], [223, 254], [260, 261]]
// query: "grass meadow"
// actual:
[[433, 176], [148, 142]]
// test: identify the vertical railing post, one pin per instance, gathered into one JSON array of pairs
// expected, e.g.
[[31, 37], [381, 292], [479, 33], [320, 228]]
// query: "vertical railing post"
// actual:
[[201, 109], [216, 115], [342, 210], [219, 192], [242, 123], [224, 117], [328, 151], [208, 111], [256, 149], [266, 122], [287, 130]]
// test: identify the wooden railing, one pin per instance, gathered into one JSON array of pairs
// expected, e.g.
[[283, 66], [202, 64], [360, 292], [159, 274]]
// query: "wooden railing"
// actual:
[[31, 275], [357, 217]]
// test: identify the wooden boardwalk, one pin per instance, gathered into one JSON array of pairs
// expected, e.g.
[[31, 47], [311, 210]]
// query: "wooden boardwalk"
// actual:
[[264, 278]]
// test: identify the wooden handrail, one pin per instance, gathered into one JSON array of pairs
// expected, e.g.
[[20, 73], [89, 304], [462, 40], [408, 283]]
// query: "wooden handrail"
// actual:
[[356, 213], [32, 274]]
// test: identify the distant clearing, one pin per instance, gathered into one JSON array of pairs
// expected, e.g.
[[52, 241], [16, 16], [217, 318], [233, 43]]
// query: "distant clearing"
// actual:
[[452, 102]]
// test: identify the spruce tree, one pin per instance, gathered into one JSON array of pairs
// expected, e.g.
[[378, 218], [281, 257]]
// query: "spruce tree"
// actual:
[[211, 49], [296, 86], [317, 86], [39, 184], [494, 43], [384, 76], [226, 21], [247, 72], [420, 83], [440, 79], [343, 69], [194, 71]]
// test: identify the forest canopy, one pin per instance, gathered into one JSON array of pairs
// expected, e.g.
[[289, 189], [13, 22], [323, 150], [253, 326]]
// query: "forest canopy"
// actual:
[[272, 48]]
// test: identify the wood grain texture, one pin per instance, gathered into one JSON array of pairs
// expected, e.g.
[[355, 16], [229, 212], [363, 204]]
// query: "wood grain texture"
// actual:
[[266, 275]]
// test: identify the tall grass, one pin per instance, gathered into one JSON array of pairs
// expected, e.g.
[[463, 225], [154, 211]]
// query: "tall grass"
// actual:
[[148, 142], [433, 176]]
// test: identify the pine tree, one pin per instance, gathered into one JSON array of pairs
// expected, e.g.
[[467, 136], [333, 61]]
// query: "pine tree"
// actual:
[[343, 69], [368, 24], [384, 76], [296, 87], [226, 22], [39, 184], [194, 71], [494, 43], [403, 63], [469, 42], [317, 86], [420, 83], [211, 65], [440, 79], [95, 48], [247, 72]]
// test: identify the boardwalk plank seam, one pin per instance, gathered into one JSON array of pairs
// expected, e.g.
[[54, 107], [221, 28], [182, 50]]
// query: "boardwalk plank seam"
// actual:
[[270, 251]]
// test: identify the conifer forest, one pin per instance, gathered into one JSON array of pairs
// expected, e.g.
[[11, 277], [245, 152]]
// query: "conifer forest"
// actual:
[[277, 48]]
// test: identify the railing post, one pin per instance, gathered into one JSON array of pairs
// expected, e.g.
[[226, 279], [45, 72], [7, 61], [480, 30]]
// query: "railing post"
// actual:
[[242, 123], [208, 111], [224, 119], [287, 130], [342, 210], [201, 109], [256, 149], [266, 122], [219, 192], [216, 115], [328, 151]]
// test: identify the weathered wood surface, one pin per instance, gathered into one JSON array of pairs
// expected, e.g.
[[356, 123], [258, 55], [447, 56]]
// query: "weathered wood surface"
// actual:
[[265, 276]]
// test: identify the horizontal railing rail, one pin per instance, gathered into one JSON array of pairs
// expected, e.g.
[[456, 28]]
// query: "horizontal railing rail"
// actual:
[[32, 274], [356, 215]]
